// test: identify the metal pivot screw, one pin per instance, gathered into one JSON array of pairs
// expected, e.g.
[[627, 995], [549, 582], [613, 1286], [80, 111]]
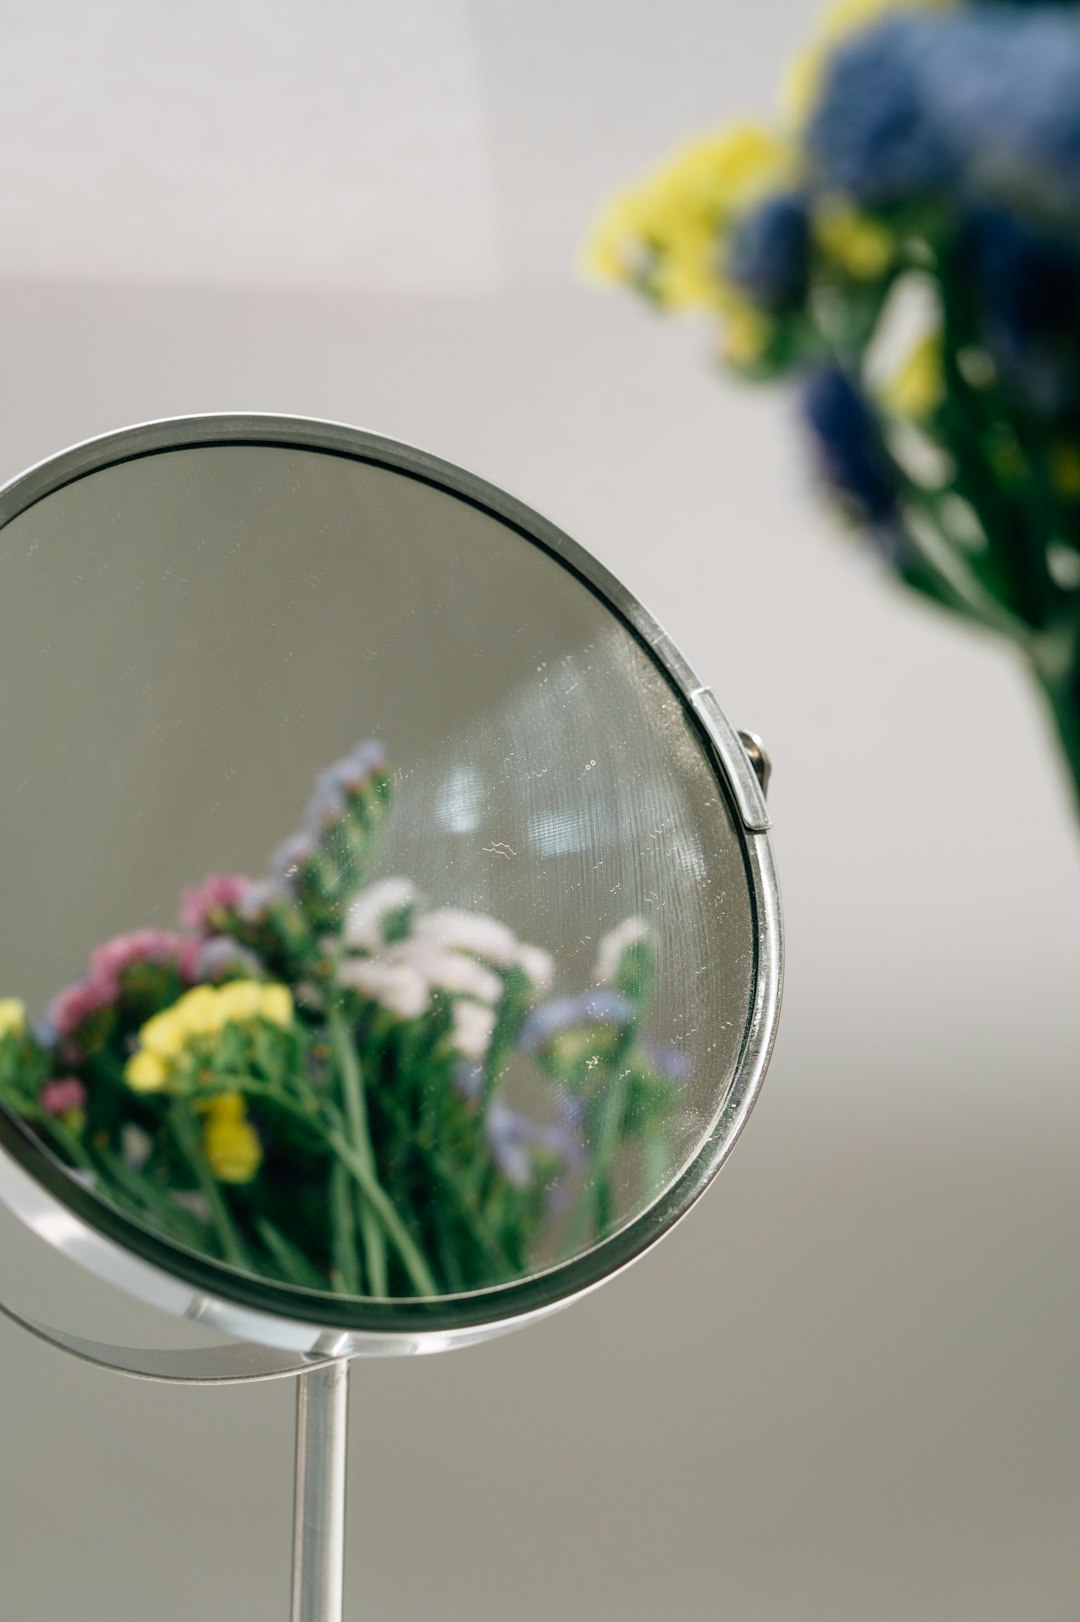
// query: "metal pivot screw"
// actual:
[[759, 760]]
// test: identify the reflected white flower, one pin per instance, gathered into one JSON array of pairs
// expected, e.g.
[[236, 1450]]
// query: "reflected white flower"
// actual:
[[396, 986], [538, 965], [462, 931], [613, 945], [471, 1030], [366, 914], [451, 971]]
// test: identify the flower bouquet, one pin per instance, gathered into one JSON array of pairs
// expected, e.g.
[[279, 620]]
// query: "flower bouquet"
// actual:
[[904, 242], [311, 1080]]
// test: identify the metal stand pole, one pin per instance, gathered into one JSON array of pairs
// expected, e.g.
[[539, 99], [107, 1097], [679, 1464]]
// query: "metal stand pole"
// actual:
[[322, 1409]]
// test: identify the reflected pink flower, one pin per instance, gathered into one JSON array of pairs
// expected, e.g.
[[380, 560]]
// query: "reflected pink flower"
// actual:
[[62, 1096], [108, 962], [218, 892], [71, 1008]]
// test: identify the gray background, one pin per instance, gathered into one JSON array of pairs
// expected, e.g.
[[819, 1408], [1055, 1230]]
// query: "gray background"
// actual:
[[846, 1387]]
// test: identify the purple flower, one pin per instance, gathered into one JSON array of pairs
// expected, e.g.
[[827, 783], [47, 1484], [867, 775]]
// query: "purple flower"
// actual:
[[669, 1061], [599, 1007], [220, 956], [291, 858], [513, 1138]]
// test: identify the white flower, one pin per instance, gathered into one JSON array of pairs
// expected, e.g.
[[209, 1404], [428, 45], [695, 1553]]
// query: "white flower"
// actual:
[[461, 931], [365, 915], [396, 986], [471, 1031], [451, 971], [537, 964], [612, 947]]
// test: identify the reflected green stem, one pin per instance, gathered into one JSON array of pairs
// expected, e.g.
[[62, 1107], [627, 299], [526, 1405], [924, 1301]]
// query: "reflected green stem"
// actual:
[[352, 1089], [344, 1261], [320, 1113]]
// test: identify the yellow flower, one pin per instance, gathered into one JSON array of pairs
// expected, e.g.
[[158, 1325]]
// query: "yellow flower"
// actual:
[[165, 1034], [239, 1001], [746, 334], [12, 1016], [861, 247], [276, 1005], [145, 1072], [230, 1142], [918, 387], [196, 1018], [668, 231], [199, 1012], [803, 80]]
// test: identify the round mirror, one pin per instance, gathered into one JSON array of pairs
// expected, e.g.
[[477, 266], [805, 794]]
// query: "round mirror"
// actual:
[[391, 945]]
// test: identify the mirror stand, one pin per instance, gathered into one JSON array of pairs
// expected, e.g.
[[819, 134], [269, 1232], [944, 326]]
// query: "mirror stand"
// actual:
[[322, 1407]]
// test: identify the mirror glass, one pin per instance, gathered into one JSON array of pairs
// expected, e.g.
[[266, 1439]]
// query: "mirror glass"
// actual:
[[374, 921]]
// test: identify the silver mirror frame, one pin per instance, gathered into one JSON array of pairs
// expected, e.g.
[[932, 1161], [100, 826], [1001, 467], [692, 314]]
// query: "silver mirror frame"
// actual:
[[303, 1323]]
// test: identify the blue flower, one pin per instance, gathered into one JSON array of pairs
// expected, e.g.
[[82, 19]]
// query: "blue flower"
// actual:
[[512, 1138], [670, 1062], [769, 252], [548, 1021], [1025, 289], [876, 135], [977, 104], [850, 449]]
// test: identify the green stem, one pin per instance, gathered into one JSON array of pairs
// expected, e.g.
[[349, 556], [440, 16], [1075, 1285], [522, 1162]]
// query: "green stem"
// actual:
[[321, 1115], [400, 1237], [352, 1089], [344, 1260], [189, 1139]]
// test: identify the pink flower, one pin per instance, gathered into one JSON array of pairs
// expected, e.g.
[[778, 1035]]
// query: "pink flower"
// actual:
[[218, 892], [62, 1096], [71, 1008], [108, 962]]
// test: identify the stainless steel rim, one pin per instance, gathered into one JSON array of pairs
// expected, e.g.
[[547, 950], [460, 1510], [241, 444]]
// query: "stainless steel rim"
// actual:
[[117, 1249]]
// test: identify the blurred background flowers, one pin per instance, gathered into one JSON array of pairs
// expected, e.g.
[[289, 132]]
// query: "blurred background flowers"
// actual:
[[904, 242]]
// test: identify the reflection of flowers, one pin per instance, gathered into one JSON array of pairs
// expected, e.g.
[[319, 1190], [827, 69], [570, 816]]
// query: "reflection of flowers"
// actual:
[[311, 1082]]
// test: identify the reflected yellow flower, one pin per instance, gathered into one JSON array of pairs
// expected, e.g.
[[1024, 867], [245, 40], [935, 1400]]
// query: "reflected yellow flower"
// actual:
[[165, 1034], [190, 1026], [230, 1142], [276, 1005], [146, 1072], [239, 1001], [12, 1016]]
